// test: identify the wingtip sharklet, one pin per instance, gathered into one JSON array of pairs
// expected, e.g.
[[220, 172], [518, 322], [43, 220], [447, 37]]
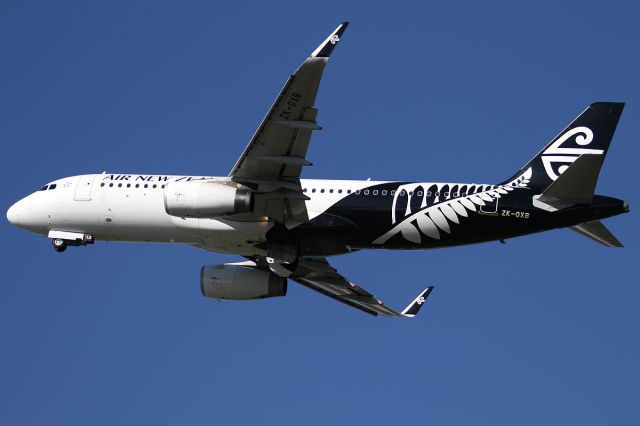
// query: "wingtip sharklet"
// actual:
[[326, 47], [414, 307]]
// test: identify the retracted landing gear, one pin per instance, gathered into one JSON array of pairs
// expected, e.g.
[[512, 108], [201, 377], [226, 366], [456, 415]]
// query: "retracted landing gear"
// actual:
[[62, 239]]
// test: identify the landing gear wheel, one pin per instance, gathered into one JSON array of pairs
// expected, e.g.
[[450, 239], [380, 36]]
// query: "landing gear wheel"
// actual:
[[59, 245]]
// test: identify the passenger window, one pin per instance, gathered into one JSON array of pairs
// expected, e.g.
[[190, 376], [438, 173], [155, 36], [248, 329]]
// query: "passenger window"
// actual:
[[428, 193], [119, 185], [137, 185], [146, 185], [339, 191], [155, 186], [331, 191], [102, 184], [375, 192], [419, 193], [393, 192], [162, 186], [304, 190], [110, 185], [348, 191], [128, 185], [366, 192], [357, 192], [384, 192], [313, 190], [322, 190]]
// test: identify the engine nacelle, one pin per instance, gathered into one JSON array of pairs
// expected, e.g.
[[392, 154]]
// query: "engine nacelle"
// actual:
[[206, 198], [238, 282]]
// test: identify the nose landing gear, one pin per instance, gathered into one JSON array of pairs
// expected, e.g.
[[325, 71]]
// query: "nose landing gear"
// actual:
[[61, 239], [59, 245]]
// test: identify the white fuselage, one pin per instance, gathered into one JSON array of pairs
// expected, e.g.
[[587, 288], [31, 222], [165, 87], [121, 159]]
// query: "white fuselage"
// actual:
[[130, 207]]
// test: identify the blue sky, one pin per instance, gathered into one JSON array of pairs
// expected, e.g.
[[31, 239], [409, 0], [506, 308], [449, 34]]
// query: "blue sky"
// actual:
[[542, 330]]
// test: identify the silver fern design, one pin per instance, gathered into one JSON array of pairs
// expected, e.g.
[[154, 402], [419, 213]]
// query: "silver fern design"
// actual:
[[432, 209]]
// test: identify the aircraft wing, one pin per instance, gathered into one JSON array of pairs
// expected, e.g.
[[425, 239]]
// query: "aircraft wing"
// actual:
[[273, 160], [319, 275]]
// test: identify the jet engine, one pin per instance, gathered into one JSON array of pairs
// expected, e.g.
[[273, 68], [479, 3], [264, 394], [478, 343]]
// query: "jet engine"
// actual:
[[206, 198], [240, 282]]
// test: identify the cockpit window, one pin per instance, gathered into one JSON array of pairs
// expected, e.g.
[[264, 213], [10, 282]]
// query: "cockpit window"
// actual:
[[44, 188], [52, 186]]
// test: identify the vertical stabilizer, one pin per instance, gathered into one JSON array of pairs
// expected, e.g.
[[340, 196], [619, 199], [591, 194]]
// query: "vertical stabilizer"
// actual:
[[590, 133]]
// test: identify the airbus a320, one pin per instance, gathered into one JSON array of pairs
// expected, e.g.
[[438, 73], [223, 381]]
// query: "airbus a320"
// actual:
[[286, 227]]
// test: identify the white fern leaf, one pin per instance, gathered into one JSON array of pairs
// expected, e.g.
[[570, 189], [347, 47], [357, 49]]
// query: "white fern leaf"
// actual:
[[486, 197], [450, 213], [468, 204], [411, 233], [477, 200], [459, 208], [427, 226], [438, 218]]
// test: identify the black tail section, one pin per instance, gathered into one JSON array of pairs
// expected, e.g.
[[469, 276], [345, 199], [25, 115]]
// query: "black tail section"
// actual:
[[590, 133]]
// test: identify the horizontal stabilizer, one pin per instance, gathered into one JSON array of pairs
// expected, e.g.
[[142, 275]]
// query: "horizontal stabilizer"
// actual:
[[575, 185], [578, 183], [597, 232]]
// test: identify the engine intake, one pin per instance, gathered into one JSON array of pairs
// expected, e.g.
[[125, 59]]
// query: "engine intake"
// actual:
[[206, 198], [240, 282]]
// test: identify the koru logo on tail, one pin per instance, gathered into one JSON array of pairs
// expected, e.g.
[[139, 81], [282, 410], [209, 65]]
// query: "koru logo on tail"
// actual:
[[334, 39], [563, 157]]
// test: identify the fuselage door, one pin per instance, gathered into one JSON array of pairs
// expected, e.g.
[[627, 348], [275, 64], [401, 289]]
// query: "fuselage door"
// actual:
[[83, 188], [490, 207]]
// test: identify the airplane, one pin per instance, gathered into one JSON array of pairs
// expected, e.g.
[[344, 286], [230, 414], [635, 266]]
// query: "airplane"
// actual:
[[286, 227]]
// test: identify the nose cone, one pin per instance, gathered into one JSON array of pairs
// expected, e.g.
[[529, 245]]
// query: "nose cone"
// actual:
[[24, 215], [13, 214]]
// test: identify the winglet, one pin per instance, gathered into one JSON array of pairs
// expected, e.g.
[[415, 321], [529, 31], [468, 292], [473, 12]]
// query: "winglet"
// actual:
[[412, 309], [327, 46]]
